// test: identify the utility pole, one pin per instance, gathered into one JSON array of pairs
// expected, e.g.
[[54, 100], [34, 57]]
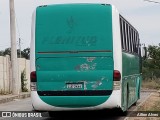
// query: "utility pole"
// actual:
[[15, 81], [20, 47]]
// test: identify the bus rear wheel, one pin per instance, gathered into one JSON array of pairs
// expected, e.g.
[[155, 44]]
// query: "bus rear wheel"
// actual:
[[127, 98], [127, 95], [134, 104]]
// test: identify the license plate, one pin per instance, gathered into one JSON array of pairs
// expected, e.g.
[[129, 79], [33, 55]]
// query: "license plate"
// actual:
[[74, 85]]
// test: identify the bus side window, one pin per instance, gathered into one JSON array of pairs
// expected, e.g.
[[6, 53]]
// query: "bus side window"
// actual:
[[126, 34], [134, 41], [131, 42], [138, 45], [128, 37], [121, 32], [124, 26]]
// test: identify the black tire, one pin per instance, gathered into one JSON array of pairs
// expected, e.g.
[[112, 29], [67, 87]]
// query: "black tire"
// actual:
[[134, 104], [139, 90], [124, 113], [127, 97], [121, 112]]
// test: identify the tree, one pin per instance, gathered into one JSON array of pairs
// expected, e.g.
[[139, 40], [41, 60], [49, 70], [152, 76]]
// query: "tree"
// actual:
[[18, 53], [151, 66], [1, 53], [24, 54], [7, 51], [154, 54]]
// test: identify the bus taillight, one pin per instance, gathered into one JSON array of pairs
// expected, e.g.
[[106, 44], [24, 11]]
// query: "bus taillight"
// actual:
[[33, 79], [117, 75], [33, 76], [116, 78]]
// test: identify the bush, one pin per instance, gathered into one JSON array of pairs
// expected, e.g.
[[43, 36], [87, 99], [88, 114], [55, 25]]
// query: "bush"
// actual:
[[23, 81]]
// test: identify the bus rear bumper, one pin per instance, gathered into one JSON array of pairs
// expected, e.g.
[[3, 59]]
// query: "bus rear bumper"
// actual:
[[39, 105]]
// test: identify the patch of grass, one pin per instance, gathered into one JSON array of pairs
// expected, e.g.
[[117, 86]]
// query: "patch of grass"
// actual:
[[156, 106], [151, 84], [151, 104], [24, 81], [3, 92]]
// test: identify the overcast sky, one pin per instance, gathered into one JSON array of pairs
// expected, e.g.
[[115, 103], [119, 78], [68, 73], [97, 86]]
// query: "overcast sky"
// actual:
[[144, 16]]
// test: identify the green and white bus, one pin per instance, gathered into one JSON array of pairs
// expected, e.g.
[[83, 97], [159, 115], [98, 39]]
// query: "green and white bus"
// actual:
[[83, 57]]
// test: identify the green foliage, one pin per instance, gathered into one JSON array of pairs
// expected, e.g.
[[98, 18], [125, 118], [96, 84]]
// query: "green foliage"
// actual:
[[18, 53], [154, 53], [24, 54], [23, 81], [151, 65], [1, 53], [7, 51]]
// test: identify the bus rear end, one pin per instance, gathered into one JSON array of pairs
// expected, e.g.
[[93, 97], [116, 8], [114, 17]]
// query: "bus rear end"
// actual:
[[73, 57]]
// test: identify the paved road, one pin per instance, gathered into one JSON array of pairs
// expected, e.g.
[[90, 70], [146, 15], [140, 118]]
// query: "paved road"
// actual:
[[25, 105]]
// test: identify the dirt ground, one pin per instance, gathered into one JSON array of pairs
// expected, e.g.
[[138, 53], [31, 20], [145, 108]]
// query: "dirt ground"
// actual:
[[150, 107]]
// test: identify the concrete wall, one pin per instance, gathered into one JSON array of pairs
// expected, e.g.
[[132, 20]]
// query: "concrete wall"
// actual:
[[6, 76], [24, 64]]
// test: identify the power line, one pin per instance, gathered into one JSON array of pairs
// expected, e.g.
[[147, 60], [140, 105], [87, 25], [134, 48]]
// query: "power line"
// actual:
[[152, 1]]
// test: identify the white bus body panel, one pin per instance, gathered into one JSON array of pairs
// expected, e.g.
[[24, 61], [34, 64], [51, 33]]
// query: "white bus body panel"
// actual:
[[117, 49], [40, 105], [32, 44]]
